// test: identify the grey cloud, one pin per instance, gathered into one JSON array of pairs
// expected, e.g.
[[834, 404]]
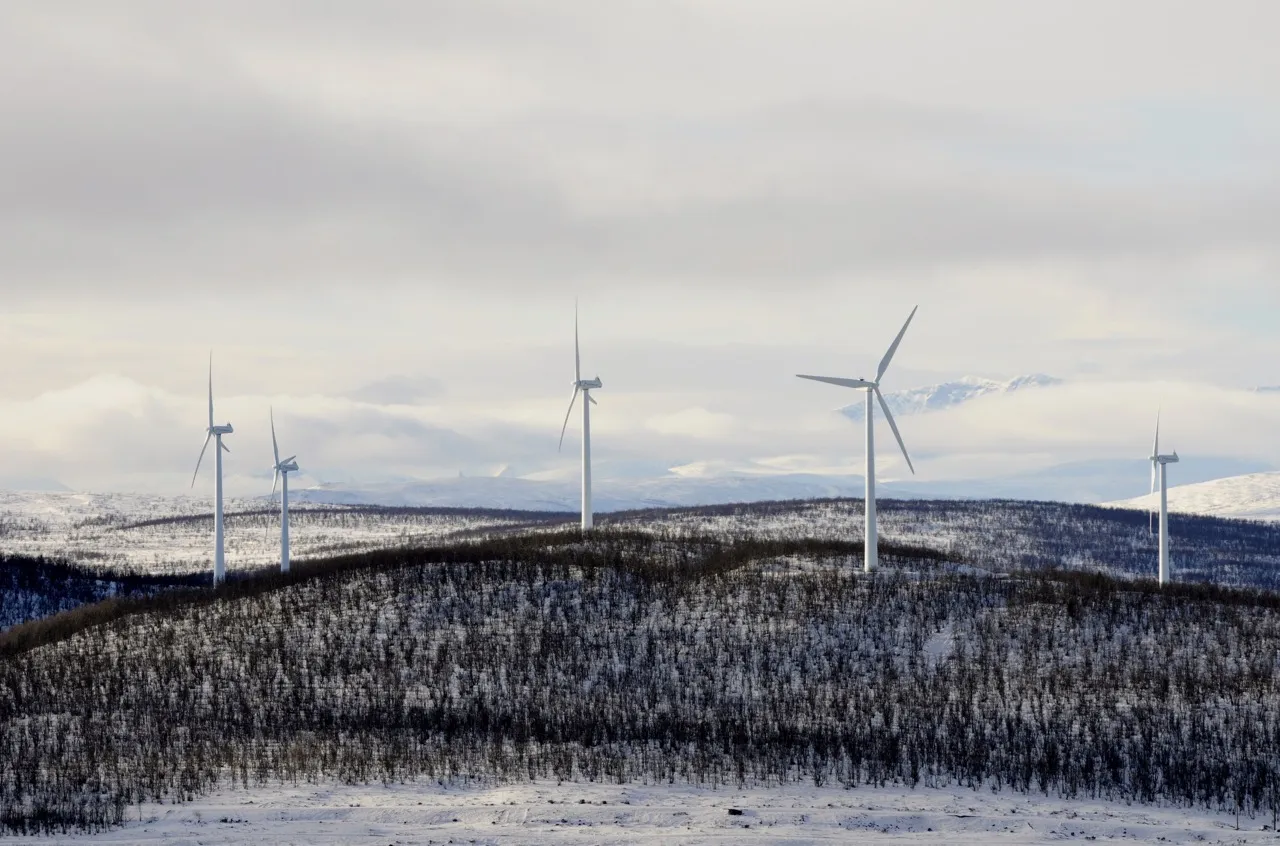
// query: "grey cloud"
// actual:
[[183, 169], [398, 390]]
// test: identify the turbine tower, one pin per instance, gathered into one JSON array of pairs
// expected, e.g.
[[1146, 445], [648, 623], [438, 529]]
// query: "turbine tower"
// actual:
[[282, 471], [870, 556], [585, 386], [215, 433], [1159, 464]]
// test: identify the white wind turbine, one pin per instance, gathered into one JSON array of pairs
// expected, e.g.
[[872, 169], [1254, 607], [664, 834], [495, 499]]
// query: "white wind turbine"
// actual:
[[1158, 464], [585, 386], [282, 471], [870, 556], [215, 433]]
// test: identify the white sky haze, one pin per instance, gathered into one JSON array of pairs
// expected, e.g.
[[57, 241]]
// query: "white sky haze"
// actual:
[[378, 215]]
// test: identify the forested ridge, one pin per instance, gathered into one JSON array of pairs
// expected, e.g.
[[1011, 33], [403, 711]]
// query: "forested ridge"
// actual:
[[659, 655]]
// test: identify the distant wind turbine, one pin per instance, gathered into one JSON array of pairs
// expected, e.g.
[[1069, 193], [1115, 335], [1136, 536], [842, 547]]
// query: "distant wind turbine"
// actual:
[[585, 386], [1158, 469], [282, 471], [870, 555], [215, 433]]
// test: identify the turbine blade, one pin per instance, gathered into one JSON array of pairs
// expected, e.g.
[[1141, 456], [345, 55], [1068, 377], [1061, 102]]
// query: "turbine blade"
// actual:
[[592, 399], [566, 417], [833, 380], [1155, 450], [893, 348], [275, 480], [290, 459], [577, 358], [884, 406], [207, 438], [210, 389], [225, 448], [275, 447]]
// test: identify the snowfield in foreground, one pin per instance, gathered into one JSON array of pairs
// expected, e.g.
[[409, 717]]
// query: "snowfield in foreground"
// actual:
[[592, 813]]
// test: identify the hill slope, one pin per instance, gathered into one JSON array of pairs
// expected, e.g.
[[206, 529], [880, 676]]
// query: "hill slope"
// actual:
[[1254, 496], [652, 657]]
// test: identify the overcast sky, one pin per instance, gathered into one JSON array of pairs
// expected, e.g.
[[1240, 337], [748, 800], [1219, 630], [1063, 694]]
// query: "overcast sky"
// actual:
[[378, 215]]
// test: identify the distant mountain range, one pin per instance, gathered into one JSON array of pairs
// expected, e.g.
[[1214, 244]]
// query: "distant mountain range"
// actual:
[[39, 484], [950, 394], [608, 494], [1084, 481]]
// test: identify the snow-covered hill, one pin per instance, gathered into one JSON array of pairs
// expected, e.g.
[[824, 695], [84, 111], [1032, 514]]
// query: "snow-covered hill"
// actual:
[[151, 534], [1254, 496], [528, 668], [949, 394]]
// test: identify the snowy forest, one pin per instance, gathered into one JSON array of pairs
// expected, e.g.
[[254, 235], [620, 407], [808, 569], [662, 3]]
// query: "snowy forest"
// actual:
[[737, 645]]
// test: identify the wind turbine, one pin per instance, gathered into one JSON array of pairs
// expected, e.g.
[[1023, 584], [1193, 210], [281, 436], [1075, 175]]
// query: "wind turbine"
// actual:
[[872, 388], [282, 471], [215, 433], [585, 386], [1158, 464]]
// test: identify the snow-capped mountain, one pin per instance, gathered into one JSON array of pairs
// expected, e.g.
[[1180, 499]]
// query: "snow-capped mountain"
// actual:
[[1253, 496], [950, 394]]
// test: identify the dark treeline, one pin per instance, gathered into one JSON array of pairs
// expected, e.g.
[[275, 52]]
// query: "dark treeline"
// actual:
[[995, 535], [682, 558], [36, 587], [1010, 535], [642, 656]]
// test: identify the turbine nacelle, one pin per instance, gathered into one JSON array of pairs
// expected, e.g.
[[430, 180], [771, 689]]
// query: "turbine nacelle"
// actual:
[[288, 465], [214, 434], [585, 386], [1158, 463], [874, 397], [873, 387]]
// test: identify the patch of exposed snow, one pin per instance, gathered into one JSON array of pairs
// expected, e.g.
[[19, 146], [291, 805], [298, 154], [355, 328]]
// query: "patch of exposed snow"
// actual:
[[938, 648], [547, 813], [1253, 496]]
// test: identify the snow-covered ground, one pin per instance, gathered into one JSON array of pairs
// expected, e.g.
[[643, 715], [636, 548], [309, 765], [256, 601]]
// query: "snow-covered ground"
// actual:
[[592, 813], [136, 531], [1253, 496]]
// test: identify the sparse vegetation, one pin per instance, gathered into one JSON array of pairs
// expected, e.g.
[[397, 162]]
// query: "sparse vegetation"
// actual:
[[655, 655]]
